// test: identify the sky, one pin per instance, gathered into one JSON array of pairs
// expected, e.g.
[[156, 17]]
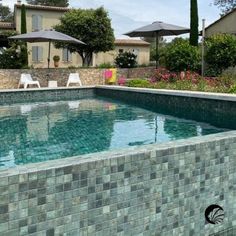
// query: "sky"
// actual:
[[127, 15]]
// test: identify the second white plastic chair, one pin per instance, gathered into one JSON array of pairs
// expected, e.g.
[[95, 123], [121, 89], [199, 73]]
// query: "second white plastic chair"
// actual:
[[74, 79]]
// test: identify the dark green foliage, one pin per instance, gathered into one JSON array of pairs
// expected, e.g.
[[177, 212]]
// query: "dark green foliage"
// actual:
[[11, 59], [24, 51], [105, 65], [92, 26], [5, 13], [181, 56], [194, 23], [55, 3], [23, 19], [126, 60], [56, 58], [225, 5], [4, 34], [220, 52]]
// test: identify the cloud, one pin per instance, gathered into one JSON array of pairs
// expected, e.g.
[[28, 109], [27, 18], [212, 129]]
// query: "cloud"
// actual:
[[129, 15]]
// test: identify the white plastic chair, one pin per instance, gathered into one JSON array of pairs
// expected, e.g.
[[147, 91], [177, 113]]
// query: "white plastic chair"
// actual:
[[26, 80], [73, 79]]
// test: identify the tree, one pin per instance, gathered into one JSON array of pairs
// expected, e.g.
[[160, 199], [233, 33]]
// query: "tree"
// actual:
[[5, 13], [181, 56], [194, 23], [23, 31], [56, 3], [225, 5], [220, 53], [92, 26], [11, 57]]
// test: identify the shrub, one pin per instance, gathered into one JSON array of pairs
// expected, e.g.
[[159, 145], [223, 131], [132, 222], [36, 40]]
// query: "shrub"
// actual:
[[181, 56], [56, 58], [220, 52], [11, 59], [231, 71], [126, 60], [105, 66], [138, 83], [162, 74]]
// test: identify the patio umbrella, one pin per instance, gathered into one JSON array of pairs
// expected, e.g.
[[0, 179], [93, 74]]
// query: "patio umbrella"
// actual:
[[46, 36], [157, 29]]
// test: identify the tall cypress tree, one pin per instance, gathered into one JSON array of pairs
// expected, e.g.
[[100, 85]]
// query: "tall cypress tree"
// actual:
[[194, 23], [23, 19], [24, 50]]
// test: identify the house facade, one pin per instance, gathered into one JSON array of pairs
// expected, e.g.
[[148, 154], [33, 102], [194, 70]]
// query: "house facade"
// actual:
[[43, 18], [139, 47], [226, 24], [46, 17]]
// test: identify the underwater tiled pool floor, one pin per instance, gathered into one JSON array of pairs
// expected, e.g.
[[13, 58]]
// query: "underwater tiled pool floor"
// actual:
[[37, 132]]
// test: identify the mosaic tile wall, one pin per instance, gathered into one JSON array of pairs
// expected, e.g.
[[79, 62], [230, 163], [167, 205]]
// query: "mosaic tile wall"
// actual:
[[217, 112], [16, 96], [149, 190]]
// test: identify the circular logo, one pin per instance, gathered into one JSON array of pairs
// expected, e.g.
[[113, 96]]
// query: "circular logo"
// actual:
[[214, 214]]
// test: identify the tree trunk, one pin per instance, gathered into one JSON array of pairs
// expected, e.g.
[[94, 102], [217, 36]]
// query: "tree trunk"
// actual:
[[86, 58]]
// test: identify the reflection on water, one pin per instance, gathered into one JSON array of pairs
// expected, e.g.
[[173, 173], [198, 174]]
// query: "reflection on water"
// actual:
[[44, 131]]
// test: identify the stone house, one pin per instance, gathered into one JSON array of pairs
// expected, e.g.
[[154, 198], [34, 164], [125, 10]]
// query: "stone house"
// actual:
[[225, 24], [46, 17]]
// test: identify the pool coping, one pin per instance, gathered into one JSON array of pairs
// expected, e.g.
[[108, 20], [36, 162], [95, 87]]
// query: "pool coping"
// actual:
[[45, 89], [180, 93], [109, 155]]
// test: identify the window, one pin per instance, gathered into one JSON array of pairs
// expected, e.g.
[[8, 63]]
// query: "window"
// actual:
[[66, 55], [37, 54], [36, 22], [136, 52]]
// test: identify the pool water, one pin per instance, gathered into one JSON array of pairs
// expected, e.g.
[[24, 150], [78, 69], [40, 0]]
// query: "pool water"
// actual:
[[38, 132]]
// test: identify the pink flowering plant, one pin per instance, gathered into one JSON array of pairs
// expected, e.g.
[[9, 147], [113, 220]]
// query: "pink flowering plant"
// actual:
[[162, 74], [122, 81]]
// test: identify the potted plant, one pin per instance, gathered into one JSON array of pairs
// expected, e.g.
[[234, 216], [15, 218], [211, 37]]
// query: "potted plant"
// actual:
[[56, 60]]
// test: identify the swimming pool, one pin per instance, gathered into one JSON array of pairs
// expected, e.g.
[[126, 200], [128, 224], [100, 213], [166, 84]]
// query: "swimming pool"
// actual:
[[160, 188], [37, 132]]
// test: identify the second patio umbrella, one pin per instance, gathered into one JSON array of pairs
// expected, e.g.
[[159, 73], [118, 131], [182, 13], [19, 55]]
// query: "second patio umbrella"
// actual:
[[46, 36], [156, 30]]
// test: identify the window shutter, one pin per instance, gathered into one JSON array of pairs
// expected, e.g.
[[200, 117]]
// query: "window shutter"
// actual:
[[39, 23], [34, 22], [40, 53], [34, 53], [64, 54], [69, 55]]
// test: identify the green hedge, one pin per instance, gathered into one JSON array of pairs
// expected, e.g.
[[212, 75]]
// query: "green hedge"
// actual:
[[220, 53], [181, 56]]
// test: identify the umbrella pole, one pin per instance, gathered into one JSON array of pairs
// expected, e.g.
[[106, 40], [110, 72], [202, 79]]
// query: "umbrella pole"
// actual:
[[157, 44], [49, 52]]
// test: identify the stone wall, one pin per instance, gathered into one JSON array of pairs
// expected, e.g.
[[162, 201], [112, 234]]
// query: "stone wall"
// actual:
[[141, 72], [9, 79], [151, 190]]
